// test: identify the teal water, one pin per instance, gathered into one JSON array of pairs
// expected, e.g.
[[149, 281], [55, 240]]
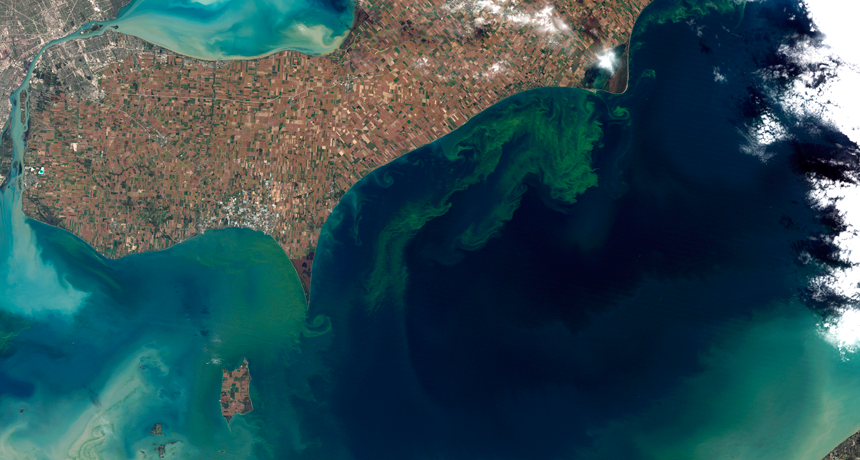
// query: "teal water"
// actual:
[[142, 340], [569, 275], [238, 29], [94, 352]]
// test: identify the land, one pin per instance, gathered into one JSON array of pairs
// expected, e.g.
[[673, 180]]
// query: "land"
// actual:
[[161, 449], [156, 430], [303, 268], [167, 147], [27, 25], [5, 156], [848, 450], [141, 148], [235, 391], [69, 68]]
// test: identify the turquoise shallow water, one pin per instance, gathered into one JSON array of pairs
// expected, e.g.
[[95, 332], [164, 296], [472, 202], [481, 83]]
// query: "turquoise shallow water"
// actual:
[[238, 29], [569, 275], [109, 348], [94, 352]]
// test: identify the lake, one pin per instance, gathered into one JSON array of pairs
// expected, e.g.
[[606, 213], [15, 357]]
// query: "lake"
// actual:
[[569, 275]]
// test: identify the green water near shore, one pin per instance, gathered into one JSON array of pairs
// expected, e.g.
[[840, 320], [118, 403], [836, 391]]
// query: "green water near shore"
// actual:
[[237, 29], [146, 344], [569, 275]]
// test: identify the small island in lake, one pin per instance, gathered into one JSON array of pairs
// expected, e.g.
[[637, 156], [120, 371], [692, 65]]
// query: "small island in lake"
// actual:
[[235, 396]]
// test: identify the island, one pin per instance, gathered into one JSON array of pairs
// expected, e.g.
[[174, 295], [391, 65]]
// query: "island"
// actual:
[[162, 449], [235, 395]]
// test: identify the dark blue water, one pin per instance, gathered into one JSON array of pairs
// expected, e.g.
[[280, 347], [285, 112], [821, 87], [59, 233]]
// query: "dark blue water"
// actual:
[[569, 275], [484, 305]]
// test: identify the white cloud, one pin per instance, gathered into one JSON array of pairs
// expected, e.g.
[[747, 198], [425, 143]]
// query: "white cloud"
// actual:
[[843, 328], [827, 92], [761, 133], [843, 331], [493, 70], [607, 60], [544, 20], [718, 77], [837, 20]]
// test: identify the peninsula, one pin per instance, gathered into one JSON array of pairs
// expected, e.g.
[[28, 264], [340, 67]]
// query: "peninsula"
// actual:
[[168, 146]]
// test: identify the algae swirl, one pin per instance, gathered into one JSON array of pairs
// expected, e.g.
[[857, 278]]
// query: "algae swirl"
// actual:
[[545, 138]]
